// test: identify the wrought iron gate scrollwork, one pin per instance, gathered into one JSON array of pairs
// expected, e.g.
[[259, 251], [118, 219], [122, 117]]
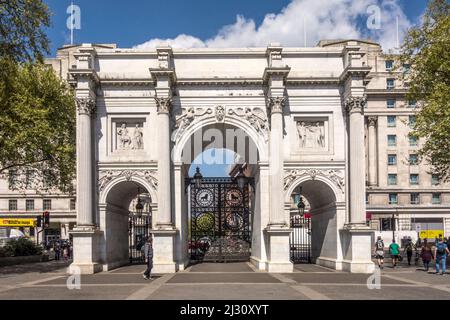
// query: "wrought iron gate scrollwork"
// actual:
[[138, 231], [300, 239], [220, 221]]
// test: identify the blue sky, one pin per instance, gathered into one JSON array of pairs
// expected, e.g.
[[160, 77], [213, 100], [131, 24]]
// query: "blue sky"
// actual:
[[134, 22]]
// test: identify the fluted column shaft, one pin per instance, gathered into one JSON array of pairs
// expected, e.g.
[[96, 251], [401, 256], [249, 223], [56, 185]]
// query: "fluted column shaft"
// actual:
[[372, 141]]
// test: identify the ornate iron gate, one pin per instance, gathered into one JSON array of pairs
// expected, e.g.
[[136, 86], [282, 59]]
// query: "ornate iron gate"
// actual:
[[138, 230], [300, 240], [220, 221]]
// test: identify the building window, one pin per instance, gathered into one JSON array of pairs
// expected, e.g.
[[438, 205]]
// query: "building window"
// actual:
[[12, 179], [47, 179], [72, 204], [391, 121], [29, 177], [386, 224], [406, 68], [412, 141], [412, 121], [393, 198], [12, 205], [390, 103], [392, 159], [415, 199], [411, 103], [29, 205], [392, 140], [413, 159], [413, 179], [390, 83], [47, 204], [392, 179], [436, 199], [434, 179], [389, 65], [367, 198]]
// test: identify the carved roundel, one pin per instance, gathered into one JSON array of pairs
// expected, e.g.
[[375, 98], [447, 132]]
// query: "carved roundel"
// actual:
[[234, 197], [205, 221], [234, 221], [204, 197]]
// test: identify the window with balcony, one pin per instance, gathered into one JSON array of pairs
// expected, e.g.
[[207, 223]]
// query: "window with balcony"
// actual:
[[415, 199], [411, 103], [413, 179], [392, 179], [436, 198], [390, 103], [47, 204], [406, 68], [392, 159], [392, 140], [29, 205], [393, 198], [391, 121], [389, 65], [413, 159], [12, 179], [29, 178], [12, 205], [390, 83]]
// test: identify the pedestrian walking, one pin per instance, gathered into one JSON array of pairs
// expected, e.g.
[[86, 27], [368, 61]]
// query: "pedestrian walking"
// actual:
[[394, 251], [427, 255], [66, 253], [148, 254], [379, 252], [441, 252], [409, 251]]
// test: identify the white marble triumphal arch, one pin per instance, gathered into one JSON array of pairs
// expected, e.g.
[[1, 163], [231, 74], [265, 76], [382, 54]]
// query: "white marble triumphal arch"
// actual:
[[144, 114]]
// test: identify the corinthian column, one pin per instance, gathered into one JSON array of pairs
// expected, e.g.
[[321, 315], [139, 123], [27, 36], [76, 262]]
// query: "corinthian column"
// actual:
[[85, 212], [164, 218], [355, 108], [372, 142], [277, 216]]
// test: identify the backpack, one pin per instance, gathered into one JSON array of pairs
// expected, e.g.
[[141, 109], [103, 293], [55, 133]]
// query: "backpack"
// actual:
[[380, 245], [441, 248]]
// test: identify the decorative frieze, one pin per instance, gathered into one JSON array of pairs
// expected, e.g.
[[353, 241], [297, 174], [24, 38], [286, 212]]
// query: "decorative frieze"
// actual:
[[256, 117], [337, 176], [106, 176]]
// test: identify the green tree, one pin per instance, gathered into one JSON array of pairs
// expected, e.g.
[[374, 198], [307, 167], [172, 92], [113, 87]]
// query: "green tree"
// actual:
[[37, 123], [37, 114], [426, 49], [22, 34]]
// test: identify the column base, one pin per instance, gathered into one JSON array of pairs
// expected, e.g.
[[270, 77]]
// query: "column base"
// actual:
[[86, 250], [278, 249], [164, 250], [357, 248]]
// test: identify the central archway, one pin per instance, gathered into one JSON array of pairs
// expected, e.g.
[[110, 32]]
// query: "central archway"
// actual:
[[249, 147]]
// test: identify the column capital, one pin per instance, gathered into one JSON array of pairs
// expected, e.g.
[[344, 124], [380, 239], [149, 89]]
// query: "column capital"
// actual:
[[355, 104], [276, 104], [85, 105], [372, 121], [164, 104]]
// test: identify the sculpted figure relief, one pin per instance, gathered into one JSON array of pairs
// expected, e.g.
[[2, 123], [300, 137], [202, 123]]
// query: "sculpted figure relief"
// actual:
[[124, 137], [311, 134], [138, 142], [134, 141]]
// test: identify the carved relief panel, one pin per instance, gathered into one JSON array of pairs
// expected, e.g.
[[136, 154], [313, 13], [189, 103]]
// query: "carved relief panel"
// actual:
[[127, 134], [313, 134]]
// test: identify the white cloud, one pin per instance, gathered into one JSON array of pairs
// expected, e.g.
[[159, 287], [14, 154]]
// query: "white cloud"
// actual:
[[324, 19]]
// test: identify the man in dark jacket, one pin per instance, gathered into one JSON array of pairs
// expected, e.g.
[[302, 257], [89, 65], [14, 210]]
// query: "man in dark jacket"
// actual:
[[148, 253]]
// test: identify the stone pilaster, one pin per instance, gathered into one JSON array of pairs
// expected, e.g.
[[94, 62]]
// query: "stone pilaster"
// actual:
[[372, 143]]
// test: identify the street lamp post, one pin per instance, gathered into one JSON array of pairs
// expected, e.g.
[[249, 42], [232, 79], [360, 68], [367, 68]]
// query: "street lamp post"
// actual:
[[241, 179], [198, 178], [139, 205], [301, 205]]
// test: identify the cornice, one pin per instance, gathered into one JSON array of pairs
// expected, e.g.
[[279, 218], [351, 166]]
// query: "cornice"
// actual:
[[355, 71], [85, 73], [279, 71], [158, 72]]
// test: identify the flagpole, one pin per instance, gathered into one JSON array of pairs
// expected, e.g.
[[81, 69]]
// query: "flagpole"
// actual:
[[71, 23]]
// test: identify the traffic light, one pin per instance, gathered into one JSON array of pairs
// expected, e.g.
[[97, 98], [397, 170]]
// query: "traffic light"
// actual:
[[46, 219], [38, 221]]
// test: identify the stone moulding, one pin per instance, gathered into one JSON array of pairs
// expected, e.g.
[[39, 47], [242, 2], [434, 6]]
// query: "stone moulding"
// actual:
[[256, 117], [336, 176], [108, 175]]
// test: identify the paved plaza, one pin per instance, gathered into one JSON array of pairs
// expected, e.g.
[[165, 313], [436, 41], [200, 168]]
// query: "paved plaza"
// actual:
[[236, 281]]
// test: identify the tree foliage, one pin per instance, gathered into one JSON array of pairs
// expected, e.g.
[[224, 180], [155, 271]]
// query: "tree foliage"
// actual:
[[22, 34], [426, 49], [37, 123]]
